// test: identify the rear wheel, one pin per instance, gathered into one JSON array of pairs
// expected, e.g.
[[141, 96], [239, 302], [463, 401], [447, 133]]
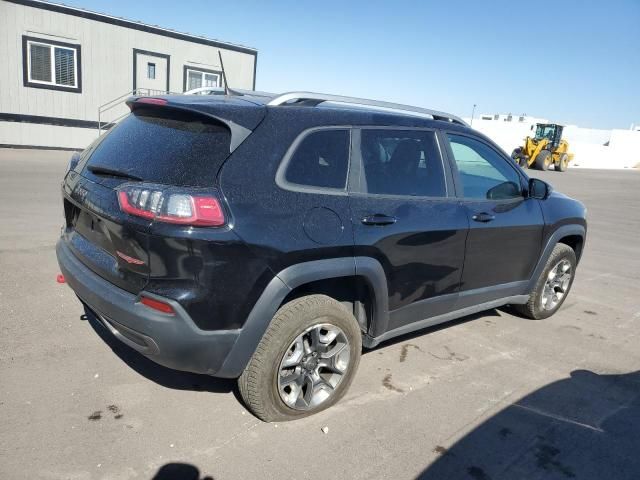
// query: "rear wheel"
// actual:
[[552, 286], [563, 163], [543, 160], [305, 361]]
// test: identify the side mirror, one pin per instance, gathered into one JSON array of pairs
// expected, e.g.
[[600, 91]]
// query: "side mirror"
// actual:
[[539, 189]]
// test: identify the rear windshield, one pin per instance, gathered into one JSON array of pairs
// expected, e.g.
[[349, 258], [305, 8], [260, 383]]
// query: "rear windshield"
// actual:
[[171, 148]]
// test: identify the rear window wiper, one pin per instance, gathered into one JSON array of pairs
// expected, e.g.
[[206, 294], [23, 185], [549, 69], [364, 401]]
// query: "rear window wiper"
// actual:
[[110, 172]]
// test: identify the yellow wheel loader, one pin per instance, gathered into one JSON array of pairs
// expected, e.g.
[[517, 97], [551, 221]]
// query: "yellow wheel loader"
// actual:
[[546, 148]]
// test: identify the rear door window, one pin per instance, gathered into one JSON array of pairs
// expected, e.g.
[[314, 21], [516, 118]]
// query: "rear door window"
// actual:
[[170, 148], [401, 162], [320, 160]]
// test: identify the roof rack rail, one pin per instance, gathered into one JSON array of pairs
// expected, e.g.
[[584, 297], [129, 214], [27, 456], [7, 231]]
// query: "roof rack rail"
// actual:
[[313, 99], [221, 91]]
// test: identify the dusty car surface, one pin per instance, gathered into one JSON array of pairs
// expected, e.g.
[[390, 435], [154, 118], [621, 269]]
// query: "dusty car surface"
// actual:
[[271, 238]]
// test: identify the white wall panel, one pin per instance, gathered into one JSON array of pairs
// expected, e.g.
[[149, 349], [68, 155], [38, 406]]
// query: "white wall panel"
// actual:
[[106, 62]]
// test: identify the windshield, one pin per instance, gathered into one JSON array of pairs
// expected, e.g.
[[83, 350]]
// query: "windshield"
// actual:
[[545, 131]]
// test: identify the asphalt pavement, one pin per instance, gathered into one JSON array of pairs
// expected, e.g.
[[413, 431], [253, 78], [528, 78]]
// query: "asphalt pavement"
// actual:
[[492, 396]]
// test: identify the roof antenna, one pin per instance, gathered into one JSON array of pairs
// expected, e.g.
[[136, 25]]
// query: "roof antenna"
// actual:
[[227, 90]]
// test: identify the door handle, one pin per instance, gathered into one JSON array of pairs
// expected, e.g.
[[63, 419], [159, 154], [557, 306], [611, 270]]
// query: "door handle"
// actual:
[[378, 219], [483, 217]]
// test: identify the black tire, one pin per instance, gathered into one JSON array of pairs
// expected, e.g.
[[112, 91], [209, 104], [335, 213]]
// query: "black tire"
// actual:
[[563, 163], [523, 163], [258, 383], [543, 160], [534, 308], [518, 157]]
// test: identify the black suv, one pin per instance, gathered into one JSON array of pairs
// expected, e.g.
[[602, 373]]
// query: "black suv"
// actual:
[[270, 238]]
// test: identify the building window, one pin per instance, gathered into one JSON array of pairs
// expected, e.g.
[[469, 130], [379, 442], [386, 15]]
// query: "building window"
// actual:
[[50, 64], [195, 78], [151, 70]]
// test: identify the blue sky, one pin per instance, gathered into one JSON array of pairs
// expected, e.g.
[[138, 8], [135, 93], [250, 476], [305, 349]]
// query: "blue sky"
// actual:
[[575, 62]]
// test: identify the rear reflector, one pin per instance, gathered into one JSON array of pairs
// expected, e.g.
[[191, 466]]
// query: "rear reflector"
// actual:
[[129, 259], [60, 278], [157, 305]]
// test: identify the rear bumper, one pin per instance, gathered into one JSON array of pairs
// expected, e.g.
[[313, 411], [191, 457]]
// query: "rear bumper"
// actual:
[[170, 340]]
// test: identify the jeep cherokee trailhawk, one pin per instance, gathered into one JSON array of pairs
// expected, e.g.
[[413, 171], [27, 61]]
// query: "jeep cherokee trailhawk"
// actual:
[[270, 238]]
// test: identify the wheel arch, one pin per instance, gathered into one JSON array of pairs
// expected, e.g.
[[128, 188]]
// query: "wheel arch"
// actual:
[[576, 242], [571, 235], [318, 276]]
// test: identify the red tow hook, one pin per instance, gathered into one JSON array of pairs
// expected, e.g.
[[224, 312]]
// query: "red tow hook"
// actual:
[[60, 278]]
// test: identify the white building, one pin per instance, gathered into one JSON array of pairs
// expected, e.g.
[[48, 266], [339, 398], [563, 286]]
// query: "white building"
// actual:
[[61, 65]]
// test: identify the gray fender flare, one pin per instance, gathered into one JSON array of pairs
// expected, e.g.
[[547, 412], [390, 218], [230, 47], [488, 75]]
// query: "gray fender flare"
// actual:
[[290, 278], [563, 231]]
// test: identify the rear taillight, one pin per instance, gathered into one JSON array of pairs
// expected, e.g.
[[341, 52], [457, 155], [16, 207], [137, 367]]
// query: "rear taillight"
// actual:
[[171, 205]]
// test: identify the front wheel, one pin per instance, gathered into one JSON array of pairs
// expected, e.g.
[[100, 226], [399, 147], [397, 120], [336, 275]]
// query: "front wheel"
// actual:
[[552, 286], [518, 157], [305, 361], [524, 164]]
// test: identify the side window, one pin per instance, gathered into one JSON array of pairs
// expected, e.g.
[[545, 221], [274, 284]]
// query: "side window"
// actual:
[[321, 160], [483, 172], [401, 162]]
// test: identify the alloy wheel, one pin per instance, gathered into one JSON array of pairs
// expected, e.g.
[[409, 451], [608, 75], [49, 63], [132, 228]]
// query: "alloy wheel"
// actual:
[[313, 366], [557, 285]]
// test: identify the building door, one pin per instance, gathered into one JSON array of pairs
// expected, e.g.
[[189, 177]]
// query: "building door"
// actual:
[[150, 71]]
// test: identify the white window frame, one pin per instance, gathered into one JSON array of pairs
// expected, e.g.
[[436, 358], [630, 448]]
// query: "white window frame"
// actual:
[[52, 47], [202, 73]]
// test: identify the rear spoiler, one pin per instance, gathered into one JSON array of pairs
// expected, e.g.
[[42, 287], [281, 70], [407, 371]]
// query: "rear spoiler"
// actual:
[[241, 120]]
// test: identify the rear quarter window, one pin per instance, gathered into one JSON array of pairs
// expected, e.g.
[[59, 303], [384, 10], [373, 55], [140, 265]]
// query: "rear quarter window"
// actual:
[[320, 160], [172, 148]]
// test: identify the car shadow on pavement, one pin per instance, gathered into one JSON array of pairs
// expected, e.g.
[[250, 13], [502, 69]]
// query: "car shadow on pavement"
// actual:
[[583, 427], [164, 376], [179, 471]]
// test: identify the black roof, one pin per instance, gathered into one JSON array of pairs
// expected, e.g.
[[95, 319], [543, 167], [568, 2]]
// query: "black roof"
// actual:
[[324, 113]]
